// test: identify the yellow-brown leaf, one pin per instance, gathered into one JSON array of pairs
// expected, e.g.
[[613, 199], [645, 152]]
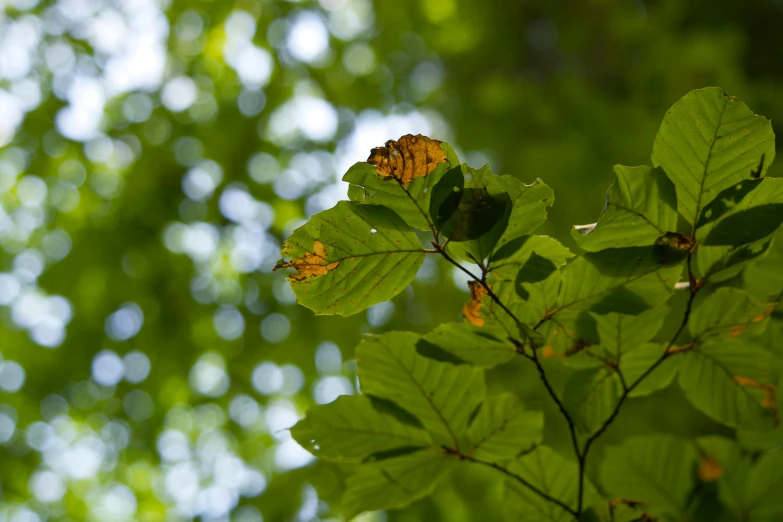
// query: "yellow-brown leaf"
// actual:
[[407, 158], [312, 264], [471, 310]]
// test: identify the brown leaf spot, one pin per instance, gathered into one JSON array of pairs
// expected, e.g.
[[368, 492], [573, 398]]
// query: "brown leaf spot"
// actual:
[[736, 330], [709, 469], [547, 352], [471, 310], [407, 158], [311, 264], [763, 315], [768, 402]]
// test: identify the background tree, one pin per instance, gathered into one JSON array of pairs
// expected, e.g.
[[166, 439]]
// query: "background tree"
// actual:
[[155, 155]]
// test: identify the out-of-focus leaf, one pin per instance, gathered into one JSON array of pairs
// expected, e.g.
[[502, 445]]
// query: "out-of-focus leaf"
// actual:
[[728, 312], [394, 482], [503, 428], [351, 257], [591, 395], [641, 206], [654, 468], [639, 359], [486, 346], [441, 395], [749, 489], [732, 381], [549, 472], [352, 429], [709, 141]]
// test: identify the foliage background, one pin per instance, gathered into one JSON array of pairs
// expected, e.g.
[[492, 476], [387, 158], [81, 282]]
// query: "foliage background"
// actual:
[[153, 156]]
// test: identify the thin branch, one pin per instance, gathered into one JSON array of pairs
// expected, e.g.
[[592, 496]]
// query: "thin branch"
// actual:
[[510, 474], [533, 357], [668, 352]]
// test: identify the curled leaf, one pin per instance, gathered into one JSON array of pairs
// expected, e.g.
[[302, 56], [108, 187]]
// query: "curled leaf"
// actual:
[[311, 264], [471, 310], [407, 158]]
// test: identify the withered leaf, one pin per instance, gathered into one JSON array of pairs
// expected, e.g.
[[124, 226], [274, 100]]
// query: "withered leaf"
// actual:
[[407, 158], [471, 310], [311, 264]]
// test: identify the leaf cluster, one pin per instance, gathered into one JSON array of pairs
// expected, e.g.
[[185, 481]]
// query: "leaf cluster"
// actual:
[[676, 283]]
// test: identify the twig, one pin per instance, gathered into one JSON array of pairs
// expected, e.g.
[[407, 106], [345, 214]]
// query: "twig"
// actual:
[[509, 473]]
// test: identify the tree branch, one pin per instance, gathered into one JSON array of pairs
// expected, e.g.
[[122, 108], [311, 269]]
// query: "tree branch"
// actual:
[[514, 476]]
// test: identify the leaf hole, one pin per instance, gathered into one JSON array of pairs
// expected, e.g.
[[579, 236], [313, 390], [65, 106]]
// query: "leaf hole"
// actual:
[[468, 177], [372, 230]]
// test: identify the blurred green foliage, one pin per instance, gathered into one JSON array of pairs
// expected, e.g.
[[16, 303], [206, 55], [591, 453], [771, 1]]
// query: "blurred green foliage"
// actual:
[[137, 217]]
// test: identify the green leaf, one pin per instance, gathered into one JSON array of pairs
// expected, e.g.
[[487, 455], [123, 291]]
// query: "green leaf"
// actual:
[[641, 206], [411, 202], [751, 490], [620, 333], [720, 263], [591, 395], [441, 395], [480, 215], [709, 141], [727, 312], [765, 440], [743, 213], [351, 429], [764, 278], [546, 470], [528, 208], [508, 260], [503, 428], [731, 381], [637, 361], [395, 482], [762, 500], [628, 280], [486, 346], [658, 469], [351, 257]]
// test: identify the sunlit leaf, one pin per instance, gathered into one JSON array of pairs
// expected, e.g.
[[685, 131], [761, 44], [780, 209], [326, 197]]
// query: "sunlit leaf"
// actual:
[[441, 395], [351, 429], [351, 257], [394, 482], [486, 346], [627, 280], [640, 208], [620, 333], [411, 199], [709, 141], [503, 428]]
